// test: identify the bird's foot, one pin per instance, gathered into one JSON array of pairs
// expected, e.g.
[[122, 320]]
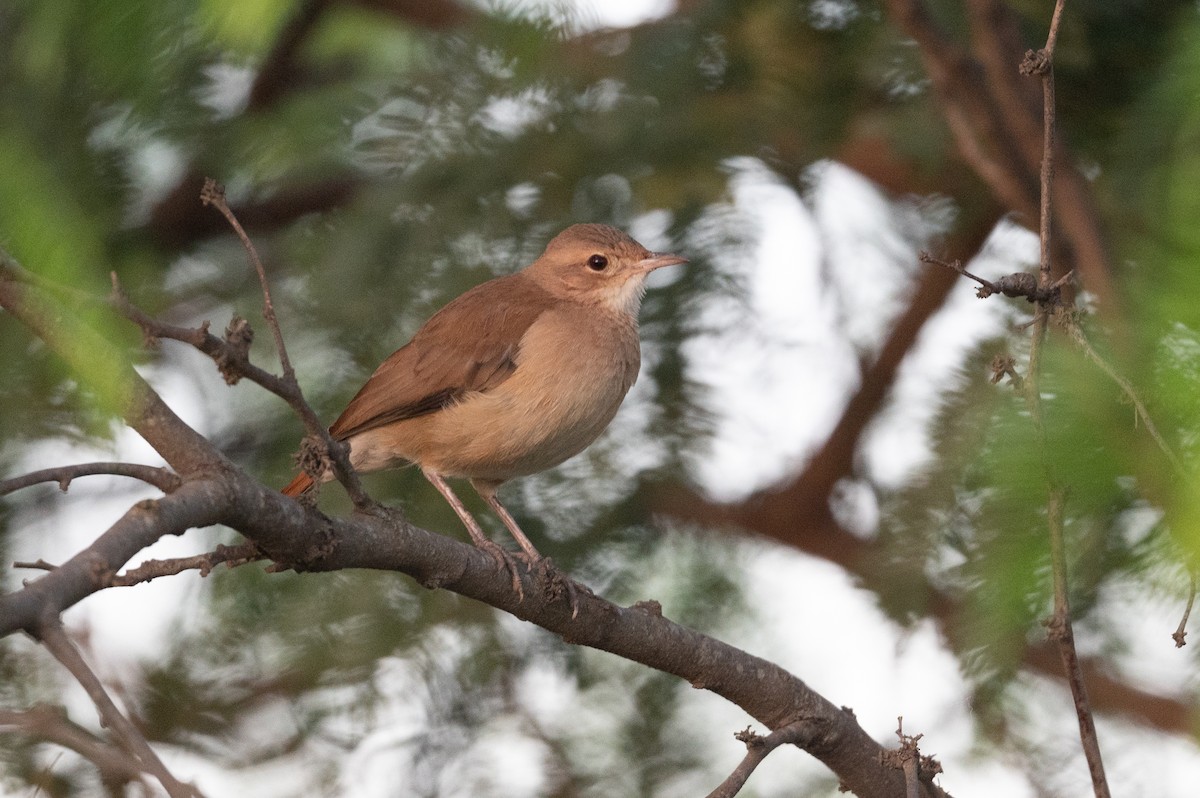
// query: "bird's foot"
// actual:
[[556, 583], [506, 560], [381, 511]]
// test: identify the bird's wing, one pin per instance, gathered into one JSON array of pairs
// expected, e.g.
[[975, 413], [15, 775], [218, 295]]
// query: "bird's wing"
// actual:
[[469, 345]]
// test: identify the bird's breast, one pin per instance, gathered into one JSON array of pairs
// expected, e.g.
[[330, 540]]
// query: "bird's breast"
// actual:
[[573, 369]]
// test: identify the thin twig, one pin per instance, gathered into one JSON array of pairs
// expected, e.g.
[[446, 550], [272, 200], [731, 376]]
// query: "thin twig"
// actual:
[[912, 784], [1052, 36], [1041, 64], [1017, 284], [56, 641], [214, 195], [757, 749], [338, 452], [232, 556], [1180, 633], [908, 759], [50, 723], [1076, 333], [1059, 629], [956, 265], [37, 565], [230, 355], [162, 478]]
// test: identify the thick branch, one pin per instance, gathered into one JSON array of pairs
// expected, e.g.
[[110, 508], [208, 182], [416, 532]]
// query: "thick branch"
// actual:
[[432, 14], [279, 69], [770, 694], [281, 66], [976, 123], [174, 222], [308, 540], [194, 504]]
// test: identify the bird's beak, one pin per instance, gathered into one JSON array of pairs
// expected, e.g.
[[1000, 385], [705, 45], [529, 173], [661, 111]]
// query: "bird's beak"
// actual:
[[659, 260]]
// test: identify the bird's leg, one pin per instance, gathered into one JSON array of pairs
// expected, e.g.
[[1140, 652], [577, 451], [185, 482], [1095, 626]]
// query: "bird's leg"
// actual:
[[489, 496], [481, 541], [488, 491]]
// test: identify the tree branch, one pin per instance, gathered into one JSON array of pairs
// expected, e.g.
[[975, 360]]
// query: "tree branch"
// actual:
[[196, 503], [1059, 627], [232, 556], [103, 367], [335, 452], [173, 221], [995, 127], [1075, 332], [161, 478], [231, 354], [213, 194], [304, 539], [57, 643], [757, 749], [51, 724], [789, 512], [279, 69], [1180, 633]]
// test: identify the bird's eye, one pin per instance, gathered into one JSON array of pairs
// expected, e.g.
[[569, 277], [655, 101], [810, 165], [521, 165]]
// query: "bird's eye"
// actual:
[[597, 263]]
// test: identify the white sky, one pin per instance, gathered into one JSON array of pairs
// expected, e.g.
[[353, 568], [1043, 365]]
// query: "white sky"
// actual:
[[588, 15]]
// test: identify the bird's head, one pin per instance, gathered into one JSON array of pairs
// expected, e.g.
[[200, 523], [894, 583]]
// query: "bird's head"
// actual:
[[598, 264]]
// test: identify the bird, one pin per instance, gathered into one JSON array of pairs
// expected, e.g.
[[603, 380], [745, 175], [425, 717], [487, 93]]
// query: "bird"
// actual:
[[511, 378]]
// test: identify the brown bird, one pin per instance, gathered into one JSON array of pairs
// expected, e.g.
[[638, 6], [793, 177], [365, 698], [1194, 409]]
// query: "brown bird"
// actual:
[[511, 378]]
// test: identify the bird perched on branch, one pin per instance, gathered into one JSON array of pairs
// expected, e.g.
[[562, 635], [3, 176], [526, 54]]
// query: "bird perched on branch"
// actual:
[[511, 378]]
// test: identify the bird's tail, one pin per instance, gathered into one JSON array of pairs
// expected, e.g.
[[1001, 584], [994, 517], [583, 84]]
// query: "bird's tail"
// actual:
[[301, 483]]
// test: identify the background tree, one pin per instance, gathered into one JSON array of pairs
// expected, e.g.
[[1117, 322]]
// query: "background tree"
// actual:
[[386, 156]]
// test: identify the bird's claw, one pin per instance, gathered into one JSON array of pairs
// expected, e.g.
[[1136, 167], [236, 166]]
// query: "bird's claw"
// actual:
[[557, 582], [505, 559]]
